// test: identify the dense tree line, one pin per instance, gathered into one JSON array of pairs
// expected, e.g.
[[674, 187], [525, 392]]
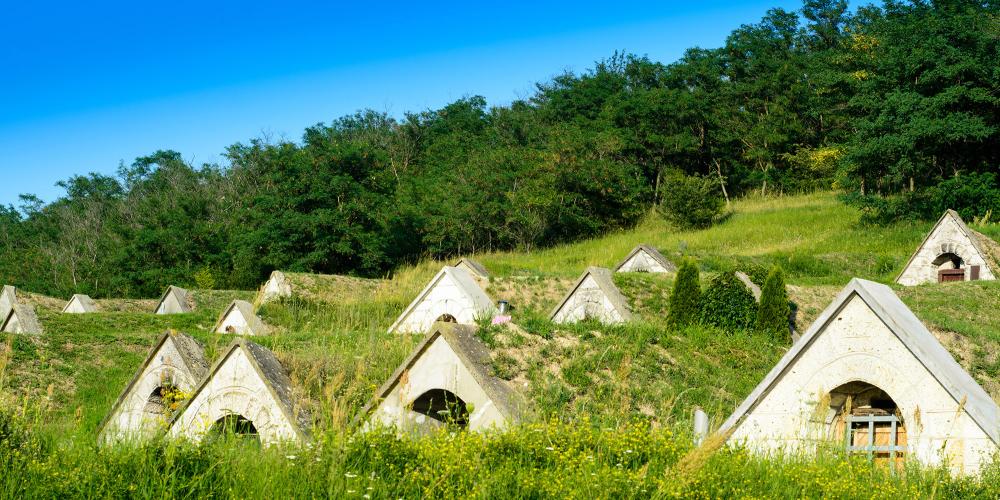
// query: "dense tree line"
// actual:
[[897, 105]]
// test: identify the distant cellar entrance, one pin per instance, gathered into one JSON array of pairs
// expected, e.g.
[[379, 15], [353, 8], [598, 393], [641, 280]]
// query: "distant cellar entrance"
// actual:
[[444, 406], [868, 421]]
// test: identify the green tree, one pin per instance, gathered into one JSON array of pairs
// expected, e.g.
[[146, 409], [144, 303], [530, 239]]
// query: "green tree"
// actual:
[[774, 310], [693, 202], [685, 299]]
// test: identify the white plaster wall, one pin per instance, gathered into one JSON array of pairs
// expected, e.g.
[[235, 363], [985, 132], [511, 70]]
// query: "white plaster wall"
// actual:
[[857, 346], [238, 389], [235, 320], [277, 286], [75, 307], [130, 421], [444, 298], [589, 301], [438, 368], [641, 262], [7, 301], [170, 305], [14, 325], [947, 238]]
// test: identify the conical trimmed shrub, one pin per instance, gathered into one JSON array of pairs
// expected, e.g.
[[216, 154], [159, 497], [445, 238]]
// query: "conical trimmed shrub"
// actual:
[[774, 311], [685, 299], [728, 304]]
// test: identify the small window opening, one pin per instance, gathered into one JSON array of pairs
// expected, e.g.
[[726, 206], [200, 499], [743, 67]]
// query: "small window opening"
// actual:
[[447, 318]]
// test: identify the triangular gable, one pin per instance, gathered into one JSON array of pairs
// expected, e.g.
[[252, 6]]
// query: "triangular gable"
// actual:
[[276, 286], [249, 381], [646, 259], [919, 341], [593, 296], [240, 319], [449, 358], [451, 292], [174, 301], [474, 268], [8, 298], [751, 286], [21, 319], [177, 359], [80, 304], [949, 235]]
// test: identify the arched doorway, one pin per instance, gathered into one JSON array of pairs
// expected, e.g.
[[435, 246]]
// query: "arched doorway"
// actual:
[[444, 406], [948, 267], [868, 421], [235, 426]]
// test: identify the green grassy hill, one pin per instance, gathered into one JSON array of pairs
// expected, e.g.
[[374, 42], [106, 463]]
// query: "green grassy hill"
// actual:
[[333, 341]]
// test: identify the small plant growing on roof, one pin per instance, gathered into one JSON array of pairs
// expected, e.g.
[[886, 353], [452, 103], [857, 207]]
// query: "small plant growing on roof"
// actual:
[[685, 299], [774, 310], [728, 304]]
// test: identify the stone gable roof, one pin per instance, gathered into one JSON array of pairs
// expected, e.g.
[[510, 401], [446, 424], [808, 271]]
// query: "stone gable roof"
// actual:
[[465, 282], [182, 295], [475, 266], [85, 301], [652, 252], [192, 356], [605, 282], [975, 238], [8, 297], [254, 325], [27, 320], [473, 354], [272, 374], [911, 332]]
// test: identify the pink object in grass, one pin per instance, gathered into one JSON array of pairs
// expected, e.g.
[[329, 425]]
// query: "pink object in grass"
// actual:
[[501, 319]]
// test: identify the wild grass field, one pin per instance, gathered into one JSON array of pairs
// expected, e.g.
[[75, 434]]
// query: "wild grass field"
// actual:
[[610, 407]]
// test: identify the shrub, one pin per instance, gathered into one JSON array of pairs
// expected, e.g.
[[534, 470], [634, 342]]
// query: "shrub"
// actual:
[[728, 304], [685, 299], [692, 202], [204, 278], [774, 310]]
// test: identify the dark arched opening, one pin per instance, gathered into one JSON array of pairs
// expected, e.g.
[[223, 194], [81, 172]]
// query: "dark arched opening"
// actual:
[[948, 261], [235, 426], [868, 421], [156, 402], [949, 267], [447, 318], [444, 406]]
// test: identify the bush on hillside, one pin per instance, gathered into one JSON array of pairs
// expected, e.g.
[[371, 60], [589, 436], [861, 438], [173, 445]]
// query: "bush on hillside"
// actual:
[[685, 299], [971, 194], [692, 202], [774, 309], [728, 304]]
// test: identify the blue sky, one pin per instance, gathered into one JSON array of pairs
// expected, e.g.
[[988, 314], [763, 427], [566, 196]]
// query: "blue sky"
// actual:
[[84, 86]]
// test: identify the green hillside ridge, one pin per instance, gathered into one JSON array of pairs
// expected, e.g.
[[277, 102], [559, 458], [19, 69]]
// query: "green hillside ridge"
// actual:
[[332, 338], [616, 400]]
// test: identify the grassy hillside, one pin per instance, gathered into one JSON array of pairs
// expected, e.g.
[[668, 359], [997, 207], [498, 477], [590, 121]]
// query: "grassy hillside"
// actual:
[[591, 386]]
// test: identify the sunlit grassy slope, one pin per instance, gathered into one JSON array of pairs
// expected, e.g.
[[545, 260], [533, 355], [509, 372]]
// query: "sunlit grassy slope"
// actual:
[[610, 404], [333, 341]]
